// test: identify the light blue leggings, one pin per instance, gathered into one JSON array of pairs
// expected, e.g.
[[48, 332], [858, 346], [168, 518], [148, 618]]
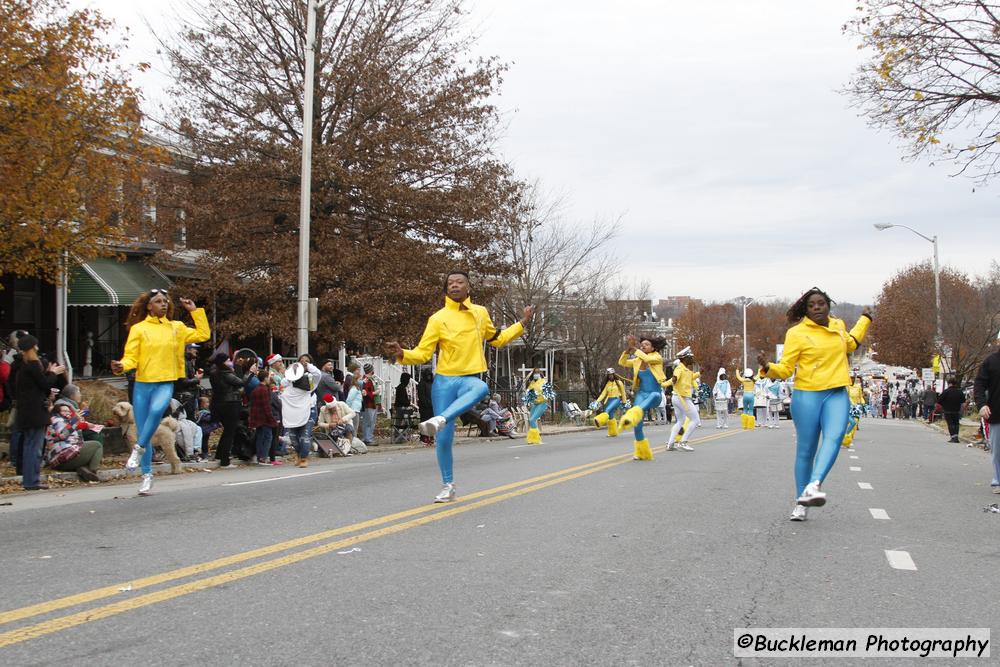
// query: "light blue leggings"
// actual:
[[748, 403], [646, 400], [149, 402], [814, 413], [452, 396], [537, 410], [612, 407]]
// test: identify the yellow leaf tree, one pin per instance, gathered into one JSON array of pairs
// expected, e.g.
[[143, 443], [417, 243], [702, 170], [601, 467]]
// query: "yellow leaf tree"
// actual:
[[70, 154]]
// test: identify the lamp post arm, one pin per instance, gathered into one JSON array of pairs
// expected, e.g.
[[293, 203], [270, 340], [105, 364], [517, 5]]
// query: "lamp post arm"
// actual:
[[923, 236]]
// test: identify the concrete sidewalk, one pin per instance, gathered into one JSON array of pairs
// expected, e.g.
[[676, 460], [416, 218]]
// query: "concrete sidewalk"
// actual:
[[119, 474]]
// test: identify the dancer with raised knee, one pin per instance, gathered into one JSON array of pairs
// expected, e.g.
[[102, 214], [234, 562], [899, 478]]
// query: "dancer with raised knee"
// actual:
[[457, 332], [612, 399], [643, 357]]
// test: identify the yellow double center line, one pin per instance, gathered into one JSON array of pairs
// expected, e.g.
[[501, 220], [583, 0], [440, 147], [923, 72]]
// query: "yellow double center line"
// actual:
[[467, 503]]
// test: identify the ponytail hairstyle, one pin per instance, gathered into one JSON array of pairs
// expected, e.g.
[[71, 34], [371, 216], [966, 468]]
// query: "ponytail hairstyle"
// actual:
[[138, 312], [798, 309], [657, 343]]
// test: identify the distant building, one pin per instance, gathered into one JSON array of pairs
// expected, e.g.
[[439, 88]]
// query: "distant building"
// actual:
[[671, 307]]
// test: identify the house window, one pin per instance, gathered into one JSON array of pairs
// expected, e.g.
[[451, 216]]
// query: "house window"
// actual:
[[26, 301]]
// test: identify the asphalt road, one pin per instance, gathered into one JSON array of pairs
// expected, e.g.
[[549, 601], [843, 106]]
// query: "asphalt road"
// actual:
[[564, 554]]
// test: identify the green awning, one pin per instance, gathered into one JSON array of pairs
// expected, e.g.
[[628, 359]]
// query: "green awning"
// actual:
[[108, 282]]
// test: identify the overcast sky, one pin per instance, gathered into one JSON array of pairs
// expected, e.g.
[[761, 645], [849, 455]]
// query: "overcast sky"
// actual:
[[717, 132]]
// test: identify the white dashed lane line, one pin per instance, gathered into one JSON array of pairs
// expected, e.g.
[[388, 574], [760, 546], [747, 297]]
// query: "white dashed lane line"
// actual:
[[879, 513], [854, 457], [900, 560], [855, 469], [865, 485]]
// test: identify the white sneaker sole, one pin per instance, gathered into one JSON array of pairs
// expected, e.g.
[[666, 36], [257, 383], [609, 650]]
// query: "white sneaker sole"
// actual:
[[812, 501], [428, 428]]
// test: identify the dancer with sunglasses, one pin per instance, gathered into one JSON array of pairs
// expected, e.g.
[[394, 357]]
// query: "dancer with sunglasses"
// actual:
[[155, 349], [457, 332], [816, 349], [643, 356]]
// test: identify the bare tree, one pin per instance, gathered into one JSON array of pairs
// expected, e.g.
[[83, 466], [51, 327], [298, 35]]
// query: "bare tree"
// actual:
[[933, 77], [554, 265], [598, 322], [406, 183]]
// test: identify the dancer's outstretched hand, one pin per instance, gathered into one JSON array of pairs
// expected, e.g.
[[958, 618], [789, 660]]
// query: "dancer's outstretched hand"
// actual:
[[188, 304], [631, 342], [867, 312], [393, 350], [762, 361], [529, 312]]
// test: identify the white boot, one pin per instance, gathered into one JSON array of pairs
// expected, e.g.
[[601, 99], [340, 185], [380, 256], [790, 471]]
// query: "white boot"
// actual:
[[146, 486]]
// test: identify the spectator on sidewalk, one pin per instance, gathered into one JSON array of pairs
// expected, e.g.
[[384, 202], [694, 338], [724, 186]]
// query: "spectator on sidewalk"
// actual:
[[262, 418], [69, 444], [337, 419], [329, 383], [226, 401], [296, 408], [424, 402], [986, 391], [369, 405], [16, 360], [952, 399], [34, 385]]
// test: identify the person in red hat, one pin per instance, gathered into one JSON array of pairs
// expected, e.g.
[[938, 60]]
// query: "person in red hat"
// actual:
[[276, 368]]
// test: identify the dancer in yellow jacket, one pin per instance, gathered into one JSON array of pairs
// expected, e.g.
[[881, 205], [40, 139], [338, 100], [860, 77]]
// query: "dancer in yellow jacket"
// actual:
[[538, 393], [155, 350], [683, 381], [457, 332], [816, 350], [856, 394], [748, 382], [643, 357], [614, 394]]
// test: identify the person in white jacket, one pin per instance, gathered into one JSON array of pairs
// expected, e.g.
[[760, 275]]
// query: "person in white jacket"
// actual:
[[296, 408], [721, 393]]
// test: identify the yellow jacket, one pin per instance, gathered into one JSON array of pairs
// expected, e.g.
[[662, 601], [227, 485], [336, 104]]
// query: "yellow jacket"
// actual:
[[653, 360], [818, 355], [536, 386], [459, 330], [613, 389], [683, 380], [155, 346], [748, 383], [856, 394]]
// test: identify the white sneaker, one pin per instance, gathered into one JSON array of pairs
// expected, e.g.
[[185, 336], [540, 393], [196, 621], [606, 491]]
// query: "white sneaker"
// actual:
[[447, 491], [799, 513], [812, 496], [686, 447], [146, 486], [432, 426], [134, 457], [671, 447]]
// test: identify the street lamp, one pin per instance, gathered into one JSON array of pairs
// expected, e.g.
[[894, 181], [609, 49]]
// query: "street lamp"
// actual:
[[882, 226], [305, 190], [746, 302]]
